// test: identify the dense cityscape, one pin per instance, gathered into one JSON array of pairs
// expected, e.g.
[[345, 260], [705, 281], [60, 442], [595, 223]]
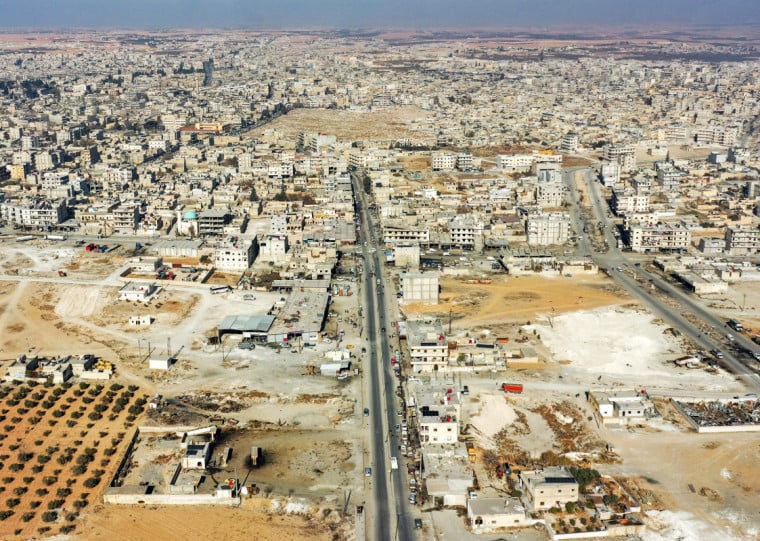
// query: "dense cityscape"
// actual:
[[379, 285]]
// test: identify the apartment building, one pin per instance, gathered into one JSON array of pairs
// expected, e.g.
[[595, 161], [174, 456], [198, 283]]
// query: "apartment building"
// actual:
[[547, 229], [439, 417], [443, 161], [38, 212], [665, 237], [626, 202], [550, 194], [399, 234], [235, 254], [514, 162], [717, 135], [464, 161], [466, 232], [428, 349], [610, 174], [212, 222], [623, 155], [570, 142], [742, 240]]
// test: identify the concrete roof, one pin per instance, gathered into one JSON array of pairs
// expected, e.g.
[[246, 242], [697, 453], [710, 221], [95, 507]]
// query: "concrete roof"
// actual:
[[495, 506]]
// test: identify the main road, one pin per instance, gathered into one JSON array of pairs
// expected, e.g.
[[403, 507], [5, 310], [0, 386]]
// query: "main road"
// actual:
[[392, 519], [628, 274]]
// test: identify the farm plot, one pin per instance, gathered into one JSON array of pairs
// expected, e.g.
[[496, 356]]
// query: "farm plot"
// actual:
[[58, 448]]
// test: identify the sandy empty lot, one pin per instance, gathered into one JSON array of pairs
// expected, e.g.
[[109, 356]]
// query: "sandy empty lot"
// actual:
[[515, 299], [251, 521], [392, 124]]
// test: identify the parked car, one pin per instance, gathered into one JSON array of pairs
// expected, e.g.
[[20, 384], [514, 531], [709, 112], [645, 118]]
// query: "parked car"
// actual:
[[418, 523], [366, 412], [367, 472]]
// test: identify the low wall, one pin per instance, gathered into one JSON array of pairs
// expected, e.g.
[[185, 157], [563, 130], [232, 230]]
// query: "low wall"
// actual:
[[576, 535], [168, 499]]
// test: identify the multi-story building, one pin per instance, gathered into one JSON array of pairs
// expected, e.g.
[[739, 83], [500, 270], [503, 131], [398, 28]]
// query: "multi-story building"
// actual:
[[396, 234], [514, 162], [212, 222], [43, 161], [669, 178], [623, 155], [466, 232], [235, 254], [626, 202], [273, 248], [443, 161], [550, 194], [659, 237], [570, 142], [610, 174], [464, 161], [742, 240], [439, 417], [40, 213], [718, 135], [548, 229], [117, 176], [428, 349]]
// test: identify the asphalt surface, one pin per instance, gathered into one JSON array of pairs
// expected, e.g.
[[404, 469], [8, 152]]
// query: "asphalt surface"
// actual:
[[624, 270], [392, 516]]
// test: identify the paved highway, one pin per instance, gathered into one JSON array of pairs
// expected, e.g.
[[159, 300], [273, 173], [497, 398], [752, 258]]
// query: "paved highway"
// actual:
[[391, 515], [627, 274]]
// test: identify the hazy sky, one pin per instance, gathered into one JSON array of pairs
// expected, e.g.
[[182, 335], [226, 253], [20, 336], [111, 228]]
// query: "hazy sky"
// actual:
[[370, 13]]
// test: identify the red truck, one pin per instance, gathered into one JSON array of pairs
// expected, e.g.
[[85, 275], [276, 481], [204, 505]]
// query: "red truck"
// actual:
[[512, 387]]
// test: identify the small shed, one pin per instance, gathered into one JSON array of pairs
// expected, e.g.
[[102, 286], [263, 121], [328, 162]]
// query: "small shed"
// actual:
[[160, 364]]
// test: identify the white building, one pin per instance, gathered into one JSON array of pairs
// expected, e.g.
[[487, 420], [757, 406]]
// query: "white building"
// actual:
[[488, 515], [444, 161], [659, 237], [137, 292], [624, 155], [514, 162], [610, 173], [236, 255], [548, 229], [428, 349], [626, 201], [550, 194], [420, 287], [273, 248], [551, 487], [742, 240]]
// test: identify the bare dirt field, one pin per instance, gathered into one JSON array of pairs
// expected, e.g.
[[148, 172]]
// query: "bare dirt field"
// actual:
[[30, 313], [59, 447], [254, 520], [516, 299], [391, 124], [722, 469]]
